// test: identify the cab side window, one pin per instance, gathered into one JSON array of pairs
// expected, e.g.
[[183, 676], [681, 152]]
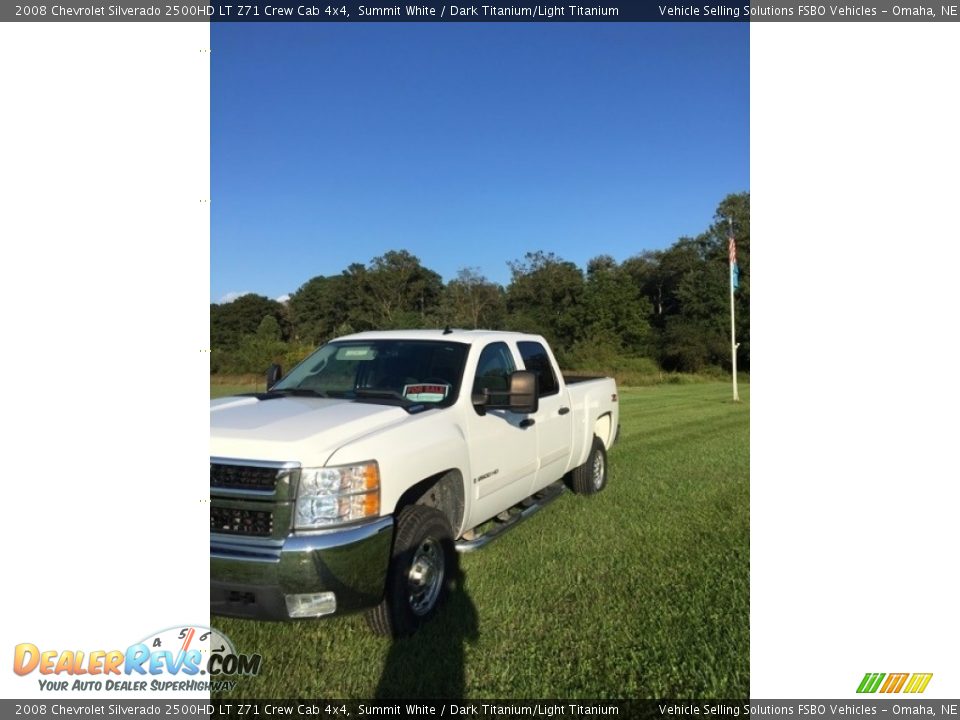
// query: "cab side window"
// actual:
[[536, 360], [493, 372]]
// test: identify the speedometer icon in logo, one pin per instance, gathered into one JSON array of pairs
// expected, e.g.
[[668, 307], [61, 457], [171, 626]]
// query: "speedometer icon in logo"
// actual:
[[191, 650]]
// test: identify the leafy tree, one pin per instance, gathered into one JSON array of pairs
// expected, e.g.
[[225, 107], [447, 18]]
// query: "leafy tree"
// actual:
[[616, 313], [395, 290], [472, 301], [687, 285], [545, 296], [401, 288], [320, 305], [697, 335], [355, 301], [230, 322], [268, 329]]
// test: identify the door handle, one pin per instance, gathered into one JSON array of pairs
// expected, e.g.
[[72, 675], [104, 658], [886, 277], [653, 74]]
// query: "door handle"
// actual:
[[527, 422], [564, 410]]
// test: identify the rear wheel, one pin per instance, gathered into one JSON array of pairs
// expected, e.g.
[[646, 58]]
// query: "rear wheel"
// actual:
[[420, 572], [591, 477]]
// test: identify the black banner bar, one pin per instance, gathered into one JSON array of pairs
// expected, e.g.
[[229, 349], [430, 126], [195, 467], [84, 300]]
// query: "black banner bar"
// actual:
[[432, 11], [485, 709]]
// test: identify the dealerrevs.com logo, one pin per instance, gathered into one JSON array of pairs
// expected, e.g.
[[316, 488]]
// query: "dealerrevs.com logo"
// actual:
[[894, 682], [183, 659]]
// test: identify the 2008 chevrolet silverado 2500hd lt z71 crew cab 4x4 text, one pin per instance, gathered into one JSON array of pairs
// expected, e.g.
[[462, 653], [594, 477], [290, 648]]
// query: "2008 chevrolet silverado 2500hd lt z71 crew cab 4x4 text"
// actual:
[[349, 483]]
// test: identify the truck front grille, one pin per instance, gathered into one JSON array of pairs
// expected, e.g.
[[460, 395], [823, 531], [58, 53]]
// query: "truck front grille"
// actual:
[[234, 521], [243, 477]]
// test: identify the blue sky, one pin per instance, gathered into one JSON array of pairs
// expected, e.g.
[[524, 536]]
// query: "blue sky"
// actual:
[[466, 144]]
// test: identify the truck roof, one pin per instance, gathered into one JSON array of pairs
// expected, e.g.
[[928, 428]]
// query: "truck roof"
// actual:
[[452, 334]]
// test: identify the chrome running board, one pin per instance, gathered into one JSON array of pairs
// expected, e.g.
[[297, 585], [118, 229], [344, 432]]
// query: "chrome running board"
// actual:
[[497, 526]]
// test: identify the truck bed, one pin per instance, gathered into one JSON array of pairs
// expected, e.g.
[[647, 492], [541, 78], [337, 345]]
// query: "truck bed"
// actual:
[[574, 379]]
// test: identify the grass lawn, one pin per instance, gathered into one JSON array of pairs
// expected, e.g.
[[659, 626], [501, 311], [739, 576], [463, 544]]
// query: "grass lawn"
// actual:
[[234, 384], [640, 591]]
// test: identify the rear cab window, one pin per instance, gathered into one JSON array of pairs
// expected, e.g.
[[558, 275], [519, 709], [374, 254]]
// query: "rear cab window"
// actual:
[[537, 360]]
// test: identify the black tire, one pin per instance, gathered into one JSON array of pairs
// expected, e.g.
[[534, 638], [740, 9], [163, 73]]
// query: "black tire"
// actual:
[[591, 477], [420, 573]]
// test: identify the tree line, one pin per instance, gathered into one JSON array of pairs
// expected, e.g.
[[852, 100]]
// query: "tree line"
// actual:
[[670, 307]]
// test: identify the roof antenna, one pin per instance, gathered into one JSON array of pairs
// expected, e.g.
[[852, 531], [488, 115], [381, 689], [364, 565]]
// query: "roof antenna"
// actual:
[[447, 330]]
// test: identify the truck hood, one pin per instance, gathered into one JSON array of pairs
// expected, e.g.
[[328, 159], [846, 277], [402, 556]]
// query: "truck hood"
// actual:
[[301, 429]]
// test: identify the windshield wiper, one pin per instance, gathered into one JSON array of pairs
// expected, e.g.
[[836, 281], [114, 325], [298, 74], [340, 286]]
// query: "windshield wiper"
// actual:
[[374, 393], [296, 392]]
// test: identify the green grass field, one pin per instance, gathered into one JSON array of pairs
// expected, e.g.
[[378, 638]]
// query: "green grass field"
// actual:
[[640, 591]]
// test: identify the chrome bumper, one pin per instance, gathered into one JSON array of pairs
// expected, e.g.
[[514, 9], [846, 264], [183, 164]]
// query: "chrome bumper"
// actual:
[[253, 579]]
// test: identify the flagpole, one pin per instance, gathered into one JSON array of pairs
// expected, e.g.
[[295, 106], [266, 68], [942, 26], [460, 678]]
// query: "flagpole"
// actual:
[[733, 327]]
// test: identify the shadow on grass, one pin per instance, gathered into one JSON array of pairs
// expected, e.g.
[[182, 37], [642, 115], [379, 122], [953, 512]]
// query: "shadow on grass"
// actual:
[[431, 664]]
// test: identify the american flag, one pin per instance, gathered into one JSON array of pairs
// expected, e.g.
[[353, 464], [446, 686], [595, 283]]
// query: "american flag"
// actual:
[[734, 267]]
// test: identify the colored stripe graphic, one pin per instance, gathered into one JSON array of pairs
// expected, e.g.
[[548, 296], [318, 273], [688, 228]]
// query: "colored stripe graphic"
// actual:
[[918, 683], [894, 682], [870, 683]]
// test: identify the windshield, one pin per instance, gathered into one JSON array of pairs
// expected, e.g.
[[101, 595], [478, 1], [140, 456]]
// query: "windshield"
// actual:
[[407, 371]]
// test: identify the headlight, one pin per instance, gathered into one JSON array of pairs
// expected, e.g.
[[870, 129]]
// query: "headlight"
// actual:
[[335, 495]]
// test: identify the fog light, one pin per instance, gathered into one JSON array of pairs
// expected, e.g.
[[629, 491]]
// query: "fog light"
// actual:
[[311, 604]]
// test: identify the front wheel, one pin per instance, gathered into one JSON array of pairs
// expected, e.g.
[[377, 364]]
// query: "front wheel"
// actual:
[[591, 477], [421, 568]]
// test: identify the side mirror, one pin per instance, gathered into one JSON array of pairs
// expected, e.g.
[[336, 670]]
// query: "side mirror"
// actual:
[[274, 373], [480, 401], [524, 392], [521, 395]]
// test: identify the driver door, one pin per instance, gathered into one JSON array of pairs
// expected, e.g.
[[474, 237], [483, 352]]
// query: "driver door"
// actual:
[[503, 453]]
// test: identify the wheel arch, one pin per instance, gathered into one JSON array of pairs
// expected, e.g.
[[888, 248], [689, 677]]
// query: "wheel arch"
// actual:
[[603, 429], [443, 491]]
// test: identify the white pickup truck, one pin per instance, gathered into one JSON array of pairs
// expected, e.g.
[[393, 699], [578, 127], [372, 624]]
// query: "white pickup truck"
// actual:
[[352, 481]]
